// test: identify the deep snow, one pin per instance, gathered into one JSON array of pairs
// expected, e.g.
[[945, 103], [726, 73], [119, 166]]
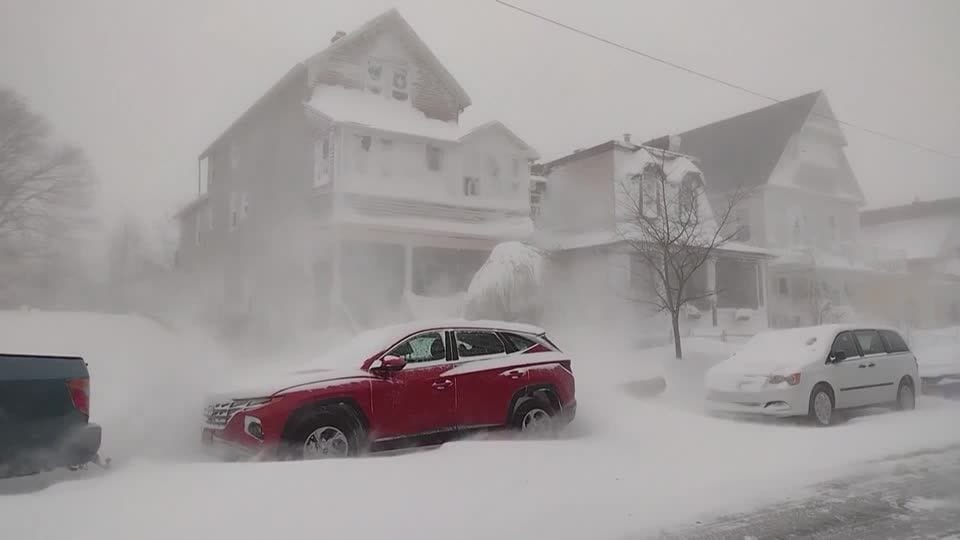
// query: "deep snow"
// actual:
[[626, 466]]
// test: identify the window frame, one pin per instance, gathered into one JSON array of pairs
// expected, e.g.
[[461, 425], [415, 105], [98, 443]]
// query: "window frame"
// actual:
[[886, 342], [856, 345], [863, 353], [456, 342], [444, 336]]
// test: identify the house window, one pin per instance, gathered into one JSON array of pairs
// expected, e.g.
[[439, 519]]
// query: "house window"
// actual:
[[737, 284], [743, 226], [471, 185], [322, 160], [234, 211], [688, 194], [649, 193], [782, 288], [374, 76], [434, 158], [400, 84]]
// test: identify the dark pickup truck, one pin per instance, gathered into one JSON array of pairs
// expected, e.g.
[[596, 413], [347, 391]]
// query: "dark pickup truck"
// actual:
[[45, 414]]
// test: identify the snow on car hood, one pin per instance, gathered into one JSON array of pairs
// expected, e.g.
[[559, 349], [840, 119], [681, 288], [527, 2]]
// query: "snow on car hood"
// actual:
[[777, 352], [264, 382]]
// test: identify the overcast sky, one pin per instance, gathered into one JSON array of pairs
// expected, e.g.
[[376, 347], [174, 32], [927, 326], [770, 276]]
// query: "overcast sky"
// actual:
[[144, 86]]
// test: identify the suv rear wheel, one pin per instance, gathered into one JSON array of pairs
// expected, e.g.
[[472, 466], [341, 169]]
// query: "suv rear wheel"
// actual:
[[534, 418], [325, 433]]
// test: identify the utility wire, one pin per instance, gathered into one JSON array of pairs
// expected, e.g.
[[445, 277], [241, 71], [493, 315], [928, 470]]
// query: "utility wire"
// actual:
[[717, 80]]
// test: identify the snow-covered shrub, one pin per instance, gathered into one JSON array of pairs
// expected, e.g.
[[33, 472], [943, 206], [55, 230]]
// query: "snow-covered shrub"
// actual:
[[508, 286]]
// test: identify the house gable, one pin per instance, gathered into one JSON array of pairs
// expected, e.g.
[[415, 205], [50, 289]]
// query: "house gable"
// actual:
[[814, 158], [388, 45]]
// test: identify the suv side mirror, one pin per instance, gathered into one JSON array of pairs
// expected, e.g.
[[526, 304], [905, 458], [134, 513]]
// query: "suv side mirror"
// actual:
[[837, 356], [392, 363]]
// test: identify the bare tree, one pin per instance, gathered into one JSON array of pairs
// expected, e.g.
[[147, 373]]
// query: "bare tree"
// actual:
[[669, 228], [46, 189], [45, 186]]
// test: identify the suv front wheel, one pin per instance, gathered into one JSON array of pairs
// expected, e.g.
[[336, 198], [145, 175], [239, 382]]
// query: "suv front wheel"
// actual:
[[325, 433]]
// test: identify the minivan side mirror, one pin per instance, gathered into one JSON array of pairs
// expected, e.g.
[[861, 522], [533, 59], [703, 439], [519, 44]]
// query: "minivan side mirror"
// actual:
[[837, 356]]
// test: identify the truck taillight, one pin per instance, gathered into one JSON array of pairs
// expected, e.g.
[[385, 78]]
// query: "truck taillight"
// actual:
[[80, 394]]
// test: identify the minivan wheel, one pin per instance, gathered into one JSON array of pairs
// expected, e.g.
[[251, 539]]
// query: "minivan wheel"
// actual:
[[534, 419], [906, 397], [821, 406], [324, 434]]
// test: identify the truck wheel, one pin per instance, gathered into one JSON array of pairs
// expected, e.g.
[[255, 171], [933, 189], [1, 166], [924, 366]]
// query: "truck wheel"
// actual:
[[326, 433]]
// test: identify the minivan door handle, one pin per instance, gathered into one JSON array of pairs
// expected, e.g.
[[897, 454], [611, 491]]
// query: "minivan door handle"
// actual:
[[861, 366], [871, 364]]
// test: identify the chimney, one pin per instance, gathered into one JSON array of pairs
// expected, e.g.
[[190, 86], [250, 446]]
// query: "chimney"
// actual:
[[674, 145], [626, 138], [338, 35]]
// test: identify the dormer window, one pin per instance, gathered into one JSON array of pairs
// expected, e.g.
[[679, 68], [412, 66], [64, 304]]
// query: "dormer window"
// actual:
[[649, 192], [688, 193]]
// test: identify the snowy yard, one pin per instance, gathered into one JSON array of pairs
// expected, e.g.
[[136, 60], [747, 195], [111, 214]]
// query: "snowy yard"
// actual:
[[626, 466]]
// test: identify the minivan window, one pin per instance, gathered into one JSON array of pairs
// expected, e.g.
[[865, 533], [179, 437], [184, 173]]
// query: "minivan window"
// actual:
[[478, 343], [844, 343], [870, 342], [895, 343]]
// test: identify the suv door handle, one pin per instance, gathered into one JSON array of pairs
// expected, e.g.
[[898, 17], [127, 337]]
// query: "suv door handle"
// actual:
[[442, 385], [861, 366], [514, 374]]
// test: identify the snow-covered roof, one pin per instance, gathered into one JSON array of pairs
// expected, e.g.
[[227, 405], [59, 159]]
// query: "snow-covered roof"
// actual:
[[922, 238], [499, 126], [598, 238], [820, 259], [349, 106]]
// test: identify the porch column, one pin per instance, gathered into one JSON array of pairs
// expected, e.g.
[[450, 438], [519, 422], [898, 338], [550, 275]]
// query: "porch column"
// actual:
[[762, 284], [712, 287], [407, 268], [336, 282]]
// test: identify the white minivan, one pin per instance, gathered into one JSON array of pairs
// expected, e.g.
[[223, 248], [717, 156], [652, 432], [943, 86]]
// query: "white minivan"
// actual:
[[814, 371]]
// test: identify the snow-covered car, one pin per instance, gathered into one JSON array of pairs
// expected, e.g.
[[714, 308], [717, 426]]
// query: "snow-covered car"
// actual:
[[940, 362], [399, 385], [815, 370]]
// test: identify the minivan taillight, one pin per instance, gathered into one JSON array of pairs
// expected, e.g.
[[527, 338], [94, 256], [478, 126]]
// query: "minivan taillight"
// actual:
[[80, 394]]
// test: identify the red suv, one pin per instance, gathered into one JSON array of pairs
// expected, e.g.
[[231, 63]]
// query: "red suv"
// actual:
[[400, 385]]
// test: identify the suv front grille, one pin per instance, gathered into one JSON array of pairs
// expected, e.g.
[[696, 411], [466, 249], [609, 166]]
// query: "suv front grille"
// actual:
[[219, 414]]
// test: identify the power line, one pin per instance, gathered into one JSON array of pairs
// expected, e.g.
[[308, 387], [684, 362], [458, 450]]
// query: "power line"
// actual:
[[717, 80]]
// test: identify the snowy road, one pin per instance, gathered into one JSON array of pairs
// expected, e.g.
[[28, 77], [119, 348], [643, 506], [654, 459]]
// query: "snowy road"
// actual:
[[913, 496], [652, 467]]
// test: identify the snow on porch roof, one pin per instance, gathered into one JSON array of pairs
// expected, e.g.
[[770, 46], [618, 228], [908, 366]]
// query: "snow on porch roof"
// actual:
[[344, 105], [589, 239]]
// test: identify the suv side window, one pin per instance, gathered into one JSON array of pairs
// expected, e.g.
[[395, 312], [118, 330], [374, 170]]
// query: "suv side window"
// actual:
[[895, 343], [478, 343], [845, 343], [870, 342], [426, 347], [521, 343]]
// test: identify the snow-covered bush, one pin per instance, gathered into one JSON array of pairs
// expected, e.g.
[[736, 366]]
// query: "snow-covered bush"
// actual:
[[508, 286]]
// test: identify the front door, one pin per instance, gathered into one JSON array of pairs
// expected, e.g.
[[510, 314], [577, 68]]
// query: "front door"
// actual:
[[849, 379], [418, 399]]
